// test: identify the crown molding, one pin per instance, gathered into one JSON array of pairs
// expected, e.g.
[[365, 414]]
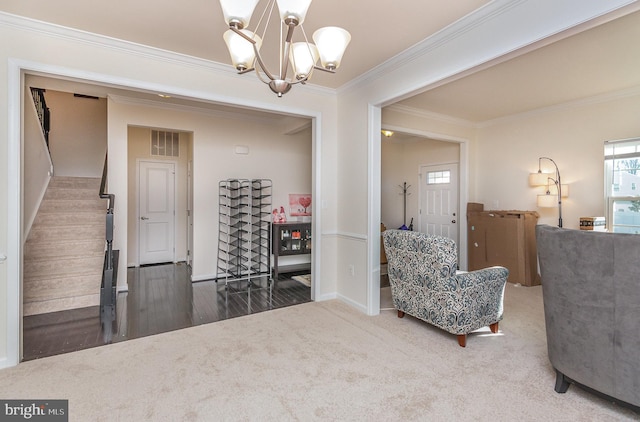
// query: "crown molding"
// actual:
[[582, 102], [447, 34], [475, 19], [425, 114], [224, 114], [103, 41]]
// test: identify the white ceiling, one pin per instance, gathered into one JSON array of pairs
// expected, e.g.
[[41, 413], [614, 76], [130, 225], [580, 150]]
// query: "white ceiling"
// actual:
[[598, 61], [601, 61], [379, 31]]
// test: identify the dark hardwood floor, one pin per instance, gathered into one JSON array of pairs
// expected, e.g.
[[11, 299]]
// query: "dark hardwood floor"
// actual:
[[161, 298]]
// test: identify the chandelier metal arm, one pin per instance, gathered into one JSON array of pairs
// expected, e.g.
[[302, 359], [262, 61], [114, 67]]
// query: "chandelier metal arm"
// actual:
[[324, 69], [329, 46], [287, 45]]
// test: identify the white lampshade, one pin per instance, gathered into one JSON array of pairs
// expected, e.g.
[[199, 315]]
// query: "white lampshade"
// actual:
[[331, 42], [238, 11], [303, 57], [293, 9], [547, 201], [539, 179], [241, 50]]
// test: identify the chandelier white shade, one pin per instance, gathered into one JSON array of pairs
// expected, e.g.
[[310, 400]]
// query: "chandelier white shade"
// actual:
[[331, 42], [238, 11], [241, 52], [293, 9], [301, 56]]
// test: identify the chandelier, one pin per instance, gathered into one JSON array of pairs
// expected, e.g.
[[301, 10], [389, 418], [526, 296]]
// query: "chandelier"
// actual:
[[301, 56]]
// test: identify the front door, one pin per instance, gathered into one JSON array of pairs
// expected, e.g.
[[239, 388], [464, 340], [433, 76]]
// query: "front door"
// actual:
[[156, 199], [439, 200]]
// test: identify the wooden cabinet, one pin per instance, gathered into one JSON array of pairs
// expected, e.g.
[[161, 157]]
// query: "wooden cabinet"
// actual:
[[290, 239], [505, 238]]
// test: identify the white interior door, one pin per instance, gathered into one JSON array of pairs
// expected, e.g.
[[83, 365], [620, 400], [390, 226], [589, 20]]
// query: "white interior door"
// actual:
[[439, 200], [156, 199]]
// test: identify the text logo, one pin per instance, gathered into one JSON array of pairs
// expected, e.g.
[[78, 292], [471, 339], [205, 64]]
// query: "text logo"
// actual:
[[34, 410]]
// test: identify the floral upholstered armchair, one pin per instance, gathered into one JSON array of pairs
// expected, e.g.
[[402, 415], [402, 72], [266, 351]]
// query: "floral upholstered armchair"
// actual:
[[425, 284]]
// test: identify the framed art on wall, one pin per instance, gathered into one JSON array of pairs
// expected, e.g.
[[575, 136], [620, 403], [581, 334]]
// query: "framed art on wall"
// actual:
[[299, 205]]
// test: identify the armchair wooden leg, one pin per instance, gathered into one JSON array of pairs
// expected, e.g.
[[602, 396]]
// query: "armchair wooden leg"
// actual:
[[400, 314], [494, 327], [462, 340]]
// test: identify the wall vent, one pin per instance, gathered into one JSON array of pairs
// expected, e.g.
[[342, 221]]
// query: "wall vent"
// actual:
[[165, 144]]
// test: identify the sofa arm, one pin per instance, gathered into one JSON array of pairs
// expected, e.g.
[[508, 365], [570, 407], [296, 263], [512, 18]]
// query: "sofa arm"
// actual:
[[485, 275], [484, 287]]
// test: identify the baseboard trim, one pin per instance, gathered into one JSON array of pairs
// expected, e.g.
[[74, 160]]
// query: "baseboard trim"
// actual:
[[358, 306]]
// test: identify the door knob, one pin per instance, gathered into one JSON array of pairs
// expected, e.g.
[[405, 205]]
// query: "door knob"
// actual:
[[3, 257], [453, 221], [144, 218]]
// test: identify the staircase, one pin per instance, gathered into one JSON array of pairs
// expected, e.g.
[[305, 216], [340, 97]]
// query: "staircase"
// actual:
[[64, 253]]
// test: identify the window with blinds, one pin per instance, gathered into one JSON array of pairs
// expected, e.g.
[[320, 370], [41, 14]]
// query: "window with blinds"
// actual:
[[165, 144], [622, 185]]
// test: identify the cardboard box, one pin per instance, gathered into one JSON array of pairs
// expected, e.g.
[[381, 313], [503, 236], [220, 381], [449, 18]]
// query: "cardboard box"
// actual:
[[507, 239]]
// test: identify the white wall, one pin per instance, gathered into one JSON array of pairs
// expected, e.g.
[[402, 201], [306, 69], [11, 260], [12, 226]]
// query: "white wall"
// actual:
[[346, 130], [85, 57], [573, 137], [499, 28], [139, 148], [37, 163], [401, 163], [78, 135], [285, 159]]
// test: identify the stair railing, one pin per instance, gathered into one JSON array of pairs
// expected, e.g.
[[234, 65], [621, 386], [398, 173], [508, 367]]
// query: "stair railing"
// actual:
[[43, 112], [110, 268]]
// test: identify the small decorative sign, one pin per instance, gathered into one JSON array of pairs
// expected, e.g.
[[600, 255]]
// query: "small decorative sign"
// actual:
[[299, 204]]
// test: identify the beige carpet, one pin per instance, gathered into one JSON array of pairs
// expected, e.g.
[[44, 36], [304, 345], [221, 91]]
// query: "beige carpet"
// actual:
[[317, 361]]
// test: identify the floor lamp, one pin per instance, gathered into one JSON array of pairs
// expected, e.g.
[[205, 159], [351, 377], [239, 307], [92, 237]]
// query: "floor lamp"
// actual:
[[542, 179]]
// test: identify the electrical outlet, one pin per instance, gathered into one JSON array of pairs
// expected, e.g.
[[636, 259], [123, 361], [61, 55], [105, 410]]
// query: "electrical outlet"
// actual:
[[352, 270]]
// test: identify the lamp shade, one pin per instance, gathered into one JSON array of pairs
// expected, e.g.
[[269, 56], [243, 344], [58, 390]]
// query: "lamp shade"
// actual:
[[539, 179], [303, 57], [547, 201], [238, 11], [331, 42], [241, 50], [296, 9]]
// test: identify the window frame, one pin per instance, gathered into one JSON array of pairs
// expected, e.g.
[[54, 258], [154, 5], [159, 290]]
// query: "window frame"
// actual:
[[610, 196]]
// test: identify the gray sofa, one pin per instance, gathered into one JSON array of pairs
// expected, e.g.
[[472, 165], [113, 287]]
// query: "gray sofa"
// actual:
[[591, 293]]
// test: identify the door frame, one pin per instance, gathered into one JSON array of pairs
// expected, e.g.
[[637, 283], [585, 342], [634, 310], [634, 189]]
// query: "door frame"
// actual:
[[374, 190], [175, 204], [189, 257]]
